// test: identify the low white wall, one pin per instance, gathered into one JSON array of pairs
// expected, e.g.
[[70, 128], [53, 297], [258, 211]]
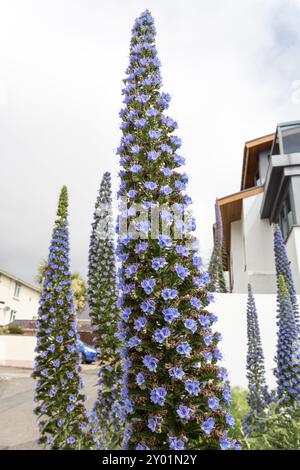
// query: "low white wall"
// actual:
[[232, 324], [17, 350]]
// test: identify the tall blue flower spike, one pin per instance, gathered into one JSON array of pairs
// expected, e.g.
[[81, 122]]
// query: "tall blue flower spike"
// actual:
[[106, 417], [287, 369], [62, 418], [258, 395], [175, 397], [283, 267]]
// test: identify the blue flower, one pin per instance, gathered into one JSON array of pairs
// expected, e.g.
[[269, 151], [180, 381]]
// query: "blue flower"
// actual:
[[208, 425], [152, 155], [176, 444], [167, 171], [140, 247], [177, 373], [151, 185], [192, 387], [140, 123], [182, 250], [161, 335], [222, 374], [125, 314], [164, 241], [169, 294], [214, 403], [184, 349], [208, 340], [153, 134], [166, 190], [230, 420], [140, 323], [196, 303], [179, 185], [140, 379], [218, 355], [134, 342], [178, 159], [130, 270], [170, 314], [135, 149], [197, 261], [136, 168], [175, 141], [158, 395], [181, 271], [225, 444], [148, 285], [158, 263], [150, 362], [148, 306], [143, 98], [190, 324], [154, 423], [184, 412], [151, 112], [131, 193], [166, 148], [70, 440], [204, 321]]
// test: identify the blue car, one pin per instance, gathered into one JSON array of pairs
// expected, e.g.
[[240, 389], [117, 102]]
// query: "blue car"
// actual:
[[87, 353]]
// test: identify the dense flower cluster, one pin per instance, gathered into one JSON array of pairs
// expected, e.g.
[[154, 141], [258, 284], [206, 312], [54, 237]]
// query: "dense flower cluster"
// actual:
[[288, 348], [258, 396], [175, 396], [59, 401], [283, 267], [216, 268], [102, 299]]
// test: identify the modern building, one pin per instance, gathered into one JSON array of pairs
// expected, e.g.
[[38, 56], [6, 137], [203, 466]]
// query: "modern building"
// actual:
[[269, 193], [18, 299]]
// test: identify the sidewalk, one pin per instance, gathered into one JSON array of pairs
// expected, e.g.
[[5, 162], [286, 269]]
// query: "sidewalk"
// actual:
[[18, 423]]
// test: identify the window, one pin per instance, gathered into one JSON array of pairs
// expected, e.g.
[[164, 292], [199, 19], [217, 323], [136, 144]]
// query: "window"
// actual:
[[12, 316], [290, 137], [286, 216], [17, 289]]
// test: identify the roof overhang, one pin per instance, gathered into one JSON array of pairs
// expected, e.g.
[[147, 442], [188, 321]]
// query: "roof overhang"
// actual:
[[21, 281], [250, 159], [231, 210]]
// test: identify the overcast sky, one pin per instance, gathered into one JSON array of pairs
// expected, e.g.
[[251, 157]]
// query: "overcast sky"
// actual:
[[231, 68]]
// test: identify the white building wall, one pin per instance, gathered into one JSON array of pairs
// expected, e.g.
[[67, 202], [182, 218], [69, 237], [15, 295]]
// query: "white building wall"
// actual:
[[252, 250], [232, 324], [293, 252], [239, 277], [25, 306]]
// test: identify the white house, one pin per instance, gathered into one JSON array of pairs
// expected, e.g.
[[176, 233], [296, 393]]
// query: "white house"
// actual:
[[270, 193], [18, 299]]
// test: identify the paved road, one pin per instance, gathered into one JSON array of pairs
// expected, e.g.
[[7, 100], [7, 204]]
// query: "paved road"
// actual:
[[18, 423]]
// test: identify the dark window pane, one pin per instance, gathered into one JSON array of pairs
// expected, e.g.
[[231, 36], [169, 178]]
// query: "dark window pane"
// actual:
[[291, 138]]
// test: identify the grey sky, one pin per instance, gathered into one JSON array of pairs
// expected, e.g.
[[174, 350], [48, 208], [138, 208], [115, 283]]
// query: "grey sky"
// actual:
[[229, 65]]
